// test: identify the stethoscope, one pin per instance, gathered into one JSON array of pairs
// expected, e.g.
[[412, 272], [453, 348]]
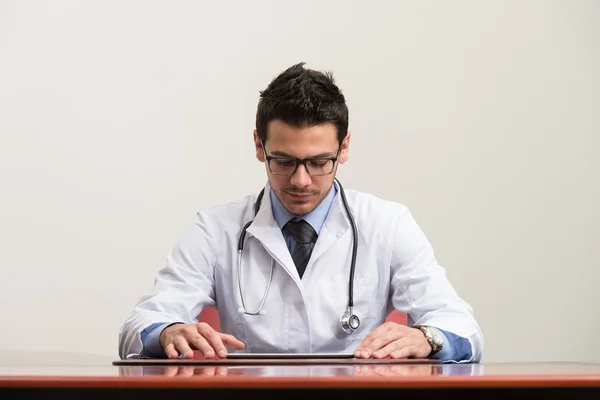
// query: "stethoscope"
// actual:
[[348, 321]]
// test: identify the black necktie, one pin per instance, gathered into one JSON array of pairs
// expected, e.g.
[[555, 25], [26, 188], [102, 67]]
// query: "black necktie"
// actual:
[[305, 236]]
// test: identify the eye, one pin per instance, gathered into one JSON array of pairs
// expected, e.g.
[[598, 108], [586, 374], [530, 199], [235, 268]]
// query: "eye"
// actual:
[[318, 163], [285, 162]]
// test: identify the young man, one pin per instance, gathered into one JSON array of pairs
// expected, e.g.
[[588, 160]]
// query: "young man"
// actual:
[[303, 241]]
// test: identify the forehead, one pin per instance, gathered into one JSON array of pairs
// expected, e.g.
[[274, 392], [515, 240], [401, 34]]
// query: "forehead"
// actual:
[[301, 142]]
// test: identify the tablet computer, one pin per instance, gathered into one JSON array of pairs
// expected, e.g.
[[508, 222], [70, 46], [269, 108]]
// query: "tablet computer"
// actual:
[[286, 356]]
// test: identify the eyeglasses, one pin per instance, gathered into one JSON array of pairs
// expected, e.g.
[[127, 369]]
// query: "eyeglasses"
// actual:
[[288, 166]]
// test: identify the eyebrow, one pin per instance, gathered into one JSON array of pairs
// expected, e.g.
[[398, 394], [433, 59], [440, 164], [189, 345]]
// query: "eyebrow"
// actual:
[[321, 155]]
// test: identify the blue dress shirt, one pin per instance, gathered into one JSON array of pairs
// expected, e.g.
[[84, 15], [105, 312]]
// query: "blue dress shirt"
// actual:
[[454, 348]]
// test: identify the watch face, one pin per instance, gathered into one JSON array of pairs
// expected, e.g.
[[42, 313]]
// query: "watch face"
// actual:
[[436, 336]]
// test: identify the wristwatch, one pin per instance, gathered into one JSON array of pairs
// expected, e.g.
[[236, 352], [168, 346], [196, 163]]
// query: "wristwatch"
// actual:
[[433, 336]]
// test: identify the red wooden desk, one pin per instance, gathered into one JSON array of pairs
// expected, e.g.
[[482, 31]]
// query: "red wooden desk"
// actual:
[[78, 375]]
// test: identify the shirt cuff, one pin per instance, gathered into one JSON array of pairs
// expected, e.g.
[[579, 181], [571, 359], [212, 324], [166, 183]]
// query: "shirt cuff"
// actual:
[[454, 348], [151, 340]]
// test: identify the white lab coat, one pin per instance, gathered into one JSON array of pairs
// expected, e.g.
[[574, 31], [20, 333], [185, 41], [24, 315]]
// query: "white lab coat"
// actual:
[[395, 268]]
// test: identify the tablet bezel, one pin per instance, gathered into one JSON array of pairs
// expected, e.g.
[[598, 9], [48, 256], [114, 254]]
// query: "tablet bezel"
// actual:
[[286, 356]]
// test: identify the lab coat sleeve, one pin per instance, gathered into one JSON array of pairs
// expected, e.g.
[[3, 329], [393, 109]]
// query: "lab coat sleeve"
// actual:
[[181, 289], [421, 289]]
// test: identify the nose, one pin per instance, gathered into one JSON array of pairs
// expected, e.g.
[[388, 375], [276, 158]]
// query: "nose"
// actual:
[[301, 177]]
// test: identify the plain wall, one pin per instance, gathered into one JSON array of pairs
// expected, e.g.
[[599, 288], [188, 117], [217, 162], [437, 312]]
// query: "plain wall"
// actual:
[[120, 119]]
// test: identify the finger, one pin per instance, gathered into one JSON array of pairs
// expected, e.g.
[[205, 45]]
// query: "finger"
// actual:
[[183, 347], [170, 351], [362, 349], [404, 352], [383, 370], [361, 370], [186, 371], [221, 371], [380, 342], [202, 345], [393, 346], [371, 336], [208, 371], [213, 339], [407, 370], [171, 371], [365, 370], [232, 341]]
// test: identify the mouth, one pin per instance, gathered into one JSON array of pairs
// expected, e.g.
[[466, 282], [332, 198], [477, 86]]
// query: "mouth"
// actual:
[[300, 196]]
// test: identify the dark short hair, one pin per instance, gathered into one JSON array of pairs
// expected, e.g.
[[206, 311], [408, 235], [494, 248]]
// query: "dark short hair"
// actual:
[[302, 98]]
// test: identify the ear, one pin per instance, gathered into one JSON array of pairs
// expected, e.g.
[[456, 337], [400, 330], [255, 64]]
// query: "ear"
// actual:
[[344, 151], [260, 154]]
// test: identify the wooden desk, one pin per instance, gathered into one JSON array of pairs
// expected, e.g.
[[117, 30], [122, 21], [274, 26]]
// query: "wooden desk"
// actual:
[[73, 377]]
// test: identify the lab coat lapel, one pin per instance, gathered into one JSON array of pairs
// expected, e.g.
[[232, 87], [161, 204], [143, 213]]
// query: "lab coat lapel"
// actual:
[[265, 229], [336, 225]]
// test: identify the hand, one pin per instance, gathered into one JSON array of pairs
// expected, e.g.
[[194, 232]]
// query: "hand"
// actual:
[[188, 371], [184, 338], [394, 341], [398, 370]]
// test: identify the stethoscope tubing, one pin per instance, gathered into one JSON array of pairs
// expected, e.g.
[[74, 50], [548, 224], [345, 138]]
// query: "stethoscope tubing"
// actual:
[[260, 311]]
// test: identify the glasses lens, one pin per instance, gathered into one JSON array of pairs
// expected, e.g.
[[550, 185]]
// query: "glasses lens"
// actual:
[[319, 167], [287, 166], [282, 166]]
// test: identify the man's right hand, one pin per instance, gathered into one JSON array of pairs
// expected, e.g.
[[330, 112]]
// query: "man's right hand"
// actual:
[[184, 338]]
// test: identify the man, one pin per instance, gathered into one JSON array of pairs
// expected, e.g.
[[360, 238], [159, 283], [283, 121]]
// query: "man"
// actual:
[[290, 290]]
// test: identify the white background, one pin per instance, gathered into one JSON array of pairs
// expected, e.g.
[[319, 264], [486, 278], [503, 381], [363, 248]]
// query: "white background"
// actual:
[[120, 119]]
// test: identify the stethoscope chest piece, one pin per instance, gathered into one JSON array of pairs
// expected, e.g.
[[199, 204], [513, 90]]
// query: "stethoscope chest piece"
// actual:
[[349, 322]]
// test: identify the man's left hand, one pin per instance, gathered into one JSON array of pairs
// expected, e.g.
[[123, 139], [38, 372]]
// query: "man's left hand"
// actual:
[[394, 341]]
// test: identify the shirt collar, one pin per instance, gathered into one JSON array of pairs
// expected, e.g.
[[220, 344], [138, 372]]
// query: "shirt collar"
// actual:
[[316, 218]]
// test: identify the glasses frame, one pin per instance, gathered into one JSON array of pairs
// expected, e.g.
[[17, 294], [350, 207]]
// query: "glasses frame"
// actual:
[[299, 162]]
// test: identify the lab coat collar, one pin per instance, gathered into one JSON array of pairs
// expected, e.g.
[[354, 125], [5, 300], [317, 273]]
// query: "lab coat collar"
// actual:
[[265, 229], [336, 225]]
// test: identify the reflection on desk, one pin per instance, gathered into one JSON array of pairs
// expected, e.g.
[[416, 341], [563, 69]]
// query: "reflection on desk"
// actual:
[[26, 375], [415, 370]]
